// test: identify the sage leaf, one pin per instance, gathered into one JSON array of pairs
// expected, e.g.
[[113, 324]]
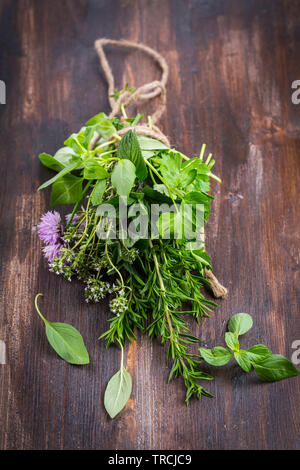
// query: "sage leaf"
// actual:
[[129, 149], [66, 341], [123, 176], [240, 323], [117, 392], [98, 191], [217, 356], [275, 367], [67, 190]]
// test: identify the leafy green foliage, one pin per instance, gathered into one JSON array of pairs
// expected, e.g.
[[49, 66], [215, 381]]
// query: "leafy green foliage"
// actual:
[[129, 149], [66, 190], [269, 367], [65, 340], [118, 391], [154, 283], [123, 176]]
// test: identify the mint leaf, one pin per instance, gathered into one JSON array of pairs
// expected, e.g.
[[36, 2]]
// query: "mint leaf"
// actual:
[[275, 367], [240, 323], [243, 360], [231, 340], [217, 356], [123, 176], [258, 353], [129, 149]]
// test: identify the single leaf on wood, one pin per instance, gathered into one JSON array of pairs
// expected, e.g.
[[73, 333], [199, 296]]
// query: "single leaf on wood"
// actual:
[[66, 341], [117, 392]]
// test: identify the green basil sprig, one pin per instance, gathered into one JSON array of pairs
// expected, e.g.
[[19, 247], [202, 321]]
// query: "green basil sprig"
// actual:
[[269, 367], [65, 340]]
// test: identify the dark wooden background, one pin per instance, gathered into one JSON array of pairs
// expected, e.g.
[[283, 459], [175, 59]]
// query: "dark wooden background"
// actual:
[[232, 63]]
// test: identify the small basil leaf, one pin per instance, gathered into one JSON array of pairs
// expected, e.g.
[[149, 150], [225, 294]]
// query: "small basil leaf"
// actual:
[[123, 176], [59, 175], [50, 162], [147, 143], [232, 341], [98, 191], [217, 356], [94, 171], [129, 149], [65, 340], [66, 156], [274, 368], [258, 352], [240, 323], [67, 190], [117, 392], [103, 125], [243, 360]]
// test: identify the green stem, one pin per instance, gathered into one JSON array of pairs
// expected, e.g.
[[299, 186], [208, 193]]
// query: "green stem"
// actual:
[[77, 203], [37, 308]]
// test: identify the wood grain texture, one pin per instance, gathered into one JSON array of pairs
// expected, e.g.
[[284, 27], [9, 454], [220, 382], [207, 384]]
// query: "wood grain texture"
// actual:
[[232, 63]]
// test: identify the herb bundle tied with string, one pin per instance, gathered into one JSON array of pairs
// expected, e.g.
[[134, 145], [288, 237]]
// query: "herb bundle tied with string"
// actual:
[[135, 234]]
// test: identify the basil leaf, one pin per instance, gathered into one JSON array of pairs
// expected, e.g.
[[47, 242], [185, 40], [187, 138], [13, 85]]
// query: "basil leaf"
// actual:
[[147, 143], [275, 367], [240, 323], [103, 125], [258, 353], [243, 360], [231, 340], [67, 190], [66, 156], [123, 176], [129, 149], [65, 340], [217, 356], [50, 162], [94, 171], [59, 175], [98, 191], [117, 392]]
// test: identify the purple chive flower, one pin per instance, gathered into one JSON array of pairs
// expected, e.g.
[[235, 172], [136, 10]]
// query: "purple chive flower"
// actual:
[[49, 229], [52, 251]]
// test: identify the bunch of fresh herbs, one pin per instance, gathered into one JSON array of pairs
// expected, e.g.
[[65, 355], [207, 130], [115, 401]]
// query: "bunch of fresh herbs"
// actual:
[[154, 277]]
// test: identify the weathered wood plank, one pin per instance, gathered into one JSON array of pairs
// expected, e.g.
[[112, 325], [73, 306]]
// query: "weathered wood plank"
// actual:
[[231, 68]]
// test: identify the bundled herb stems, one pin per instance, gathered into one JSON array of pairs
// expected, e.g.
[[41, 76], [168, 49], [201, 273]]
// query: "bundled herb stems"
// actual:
[[136, 234]]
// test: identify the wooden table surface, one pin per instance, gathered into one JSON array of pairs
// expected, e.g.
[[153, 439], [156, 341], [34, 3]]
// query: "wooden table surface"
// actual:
[[232, 63]]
